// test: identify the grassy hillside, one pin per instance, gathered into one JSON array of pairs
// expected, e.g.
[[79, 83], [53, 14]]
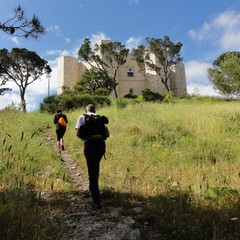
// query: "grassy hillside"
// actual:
[[180, 161], [29, 167]]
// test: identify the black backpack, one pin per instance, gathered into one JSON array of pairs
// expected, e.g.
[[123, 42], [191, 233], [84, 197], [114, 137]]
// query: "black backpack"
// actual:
[[94, 127]]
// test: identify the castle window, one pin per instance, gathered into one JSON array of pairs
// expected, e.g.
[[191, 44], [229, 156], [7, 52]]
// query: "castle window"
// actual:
[[130, 73]]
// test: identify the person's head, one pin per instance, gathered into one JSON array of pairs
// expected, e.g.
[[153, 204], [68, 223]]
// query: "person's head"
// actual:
[[59, 111], [90, 108]]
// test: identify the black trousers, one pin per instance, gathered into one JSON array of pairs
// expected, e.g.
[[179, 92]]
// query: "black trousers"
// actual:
[[93, 152], [60, 133]]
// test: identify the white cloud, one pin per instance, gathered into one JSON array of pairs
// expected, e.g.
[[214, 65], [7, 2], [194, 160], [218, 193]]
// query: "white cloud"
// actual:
[[197, 80], [203, 90], [65, 53], [133, 2], [133, 42], [67, 40], [16, 40], [197, 71], [9, 98], [54, 28], [224, 30], [99, 36], [53, 52]]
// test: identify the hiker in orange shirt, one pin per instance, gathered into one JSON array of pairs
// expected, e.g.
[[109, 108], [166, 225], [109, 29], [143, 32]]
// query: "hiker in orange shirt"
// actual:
[[60, 120]]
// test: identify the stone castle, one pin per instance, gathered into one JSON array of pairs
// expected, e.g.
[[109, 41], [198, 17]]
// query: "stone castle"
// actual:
[[129, 77]]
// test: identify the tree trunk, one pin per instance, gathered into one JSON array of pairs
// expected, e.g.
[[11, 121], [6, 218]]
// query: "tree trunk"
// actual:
[[165, 83], [23, 102], [114, 87], [115, 92]]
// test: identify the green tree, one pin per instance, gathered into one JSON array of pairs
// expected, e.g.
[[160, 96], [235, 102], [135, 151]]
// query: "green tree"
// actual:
[[158, 56], [18, 25], [225, 73], [23, 67], [107, 57], [3, 90], [92, 81]]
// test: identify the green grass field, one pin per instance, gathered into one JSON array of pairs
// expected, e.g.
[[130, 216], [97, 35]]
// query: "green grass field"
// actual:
[[180, 161]]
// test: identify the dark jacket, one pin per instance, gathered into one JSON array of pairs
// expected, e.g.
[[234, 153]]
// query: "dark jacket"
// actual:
[[57, 117]]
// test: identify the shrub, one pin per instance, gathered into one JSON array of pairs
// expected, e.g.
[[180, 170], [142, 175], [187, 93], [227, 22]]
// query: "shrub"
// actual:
[[102, 100], [148, 95], [122, 102], [50, 104], [131, 96]]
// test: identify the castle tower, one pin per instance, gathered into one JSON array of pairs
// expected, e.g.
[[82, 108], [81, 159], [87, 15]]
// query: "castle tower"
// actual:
[[178, 80], [69, 72]]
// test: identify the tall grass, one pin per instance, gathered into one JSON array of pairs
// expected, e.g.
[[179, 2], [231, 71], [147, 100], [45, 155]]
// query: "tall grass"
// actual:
[[29, 166], [181, 159]]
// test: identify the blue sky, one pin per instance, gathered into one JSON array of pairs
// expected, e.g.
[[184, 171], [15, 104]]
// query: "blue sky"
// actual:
[[206, 28]]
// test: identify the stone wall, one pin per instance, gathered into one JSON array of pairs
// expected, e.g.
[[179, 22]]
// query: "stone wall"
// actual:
[[129, 76]]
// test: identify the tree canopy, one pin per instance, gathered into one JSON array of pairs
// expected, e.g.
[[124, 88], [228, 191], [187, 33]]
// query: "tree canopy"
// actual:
[[20, 26], [107, 57], [23, 67], [93, 81], [158, 56], [225, 73]]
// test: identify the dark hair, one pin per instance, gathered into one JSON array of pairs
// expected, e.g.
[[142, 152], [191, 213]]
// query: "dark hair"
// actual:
[[59, 111], [91, 108]]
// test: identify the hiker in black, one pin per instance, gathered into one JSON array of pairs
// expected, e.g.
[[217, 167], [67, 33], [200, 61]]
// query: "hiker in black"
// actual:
[[60, 120], [94, 149]]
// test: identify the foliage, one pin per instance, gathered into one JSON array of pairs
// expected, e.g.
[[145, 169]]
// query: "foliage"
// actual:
[[94, 82], [225, 73], [130, 95], [69, 100], [20, 26], [2, 83], [114, 54], [23, 67], [148, 95], [122, 103], [169, 97], [159, 55], [50, 104]]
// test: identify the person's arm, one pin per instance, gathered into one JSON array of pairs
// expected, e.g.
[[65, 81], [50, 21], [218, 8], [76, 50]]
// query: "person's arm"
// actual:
[[55, 120], [80, 122], [107, 133]]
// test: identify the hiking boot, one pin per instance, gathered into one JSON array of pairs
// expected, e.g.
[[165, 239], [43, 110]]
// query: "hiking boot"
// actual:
[[97, 205], [63, 148]]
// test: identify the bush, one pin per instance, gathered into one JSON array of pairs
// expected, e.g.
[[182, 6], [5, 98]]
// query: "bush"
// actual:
[[69, 100], [50, 104], [131, 96], [102, 100], [122, 102], [148, 95]]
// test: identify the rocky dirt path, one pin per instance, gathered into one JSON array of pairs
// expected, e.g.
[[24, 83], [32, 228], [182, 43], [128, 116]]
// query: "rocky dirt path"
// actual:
[[107, 223]]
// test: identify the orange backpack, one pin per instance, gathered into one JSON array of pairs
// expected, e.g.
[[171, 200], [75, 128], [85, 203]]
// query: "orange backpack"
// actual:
[[62, 121]]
